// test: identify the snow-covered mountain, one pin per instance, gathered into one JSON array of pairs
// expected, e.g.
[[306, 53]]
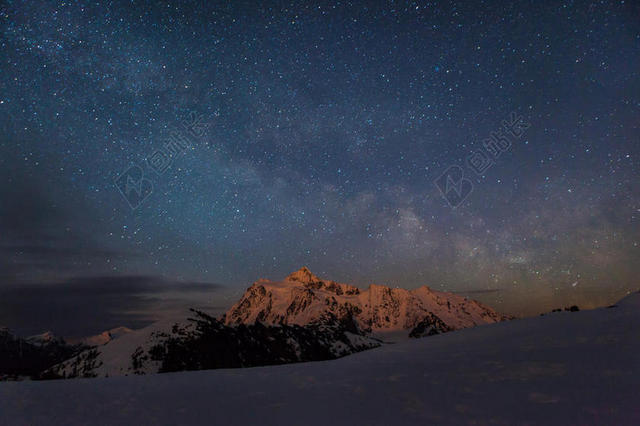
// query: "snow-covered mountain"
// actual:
[[43, 339], [203, 342], [106, 336], [22, 358], [115, 357], [303, 298], [566, 368], [303, 318]]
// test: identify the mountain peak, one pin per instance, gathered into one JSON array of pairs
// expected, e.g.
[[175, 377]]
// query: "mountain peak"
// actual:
[[304, 276], [305, 299], [42, 339], [107, 336]]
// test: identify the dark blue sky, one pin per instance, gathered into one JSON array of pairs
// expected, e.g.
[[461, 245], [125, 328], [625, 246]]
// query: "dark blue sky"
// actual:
[[327, 124]]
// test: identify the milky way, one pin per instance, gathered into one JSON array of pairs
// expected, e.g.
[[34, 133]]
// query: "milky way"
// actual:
[[322, 128]]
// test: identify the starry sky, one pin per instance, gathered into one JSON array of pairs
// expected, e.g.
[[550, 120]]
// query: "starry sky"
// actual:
[[311, 133]]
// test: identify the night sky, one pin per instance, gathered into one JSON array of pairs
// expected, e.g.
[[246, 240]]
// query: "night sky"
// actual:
[[251, 140]]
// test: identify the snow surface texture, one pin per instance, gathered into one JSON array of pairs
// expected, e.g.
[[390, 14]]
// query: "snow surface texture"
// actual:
[[562, 368]]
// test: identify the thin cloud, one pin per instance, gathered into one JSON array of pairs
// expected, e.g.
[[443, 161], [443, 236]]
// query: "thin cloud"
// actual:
[[88, 305]]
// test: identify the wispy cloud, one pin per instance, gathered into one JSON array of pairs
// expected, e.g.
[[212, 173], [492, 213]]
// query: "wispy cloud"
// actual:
[[88, 305]]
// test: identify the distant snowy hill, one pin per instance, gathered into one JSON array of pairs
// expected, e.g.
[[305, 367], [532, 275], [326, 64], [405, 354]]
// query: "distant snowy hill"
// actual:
[[303, 318], [568, 368], [106, 336], [203, 342], [43, 339], [22, 358]]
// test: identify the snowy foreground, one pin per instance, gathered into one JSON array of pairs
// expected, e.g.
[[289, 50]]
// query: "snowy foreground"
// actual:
[[563, 368]]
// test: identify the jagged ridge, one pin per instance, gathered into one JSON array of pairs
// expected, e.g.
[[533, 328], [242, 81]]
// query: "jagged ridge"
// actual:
[[303, 298]]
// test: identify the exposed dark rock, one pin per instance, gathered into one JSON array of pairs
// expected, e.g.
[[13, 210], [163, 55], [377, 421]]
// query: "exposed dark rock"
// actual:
[[429, 326]]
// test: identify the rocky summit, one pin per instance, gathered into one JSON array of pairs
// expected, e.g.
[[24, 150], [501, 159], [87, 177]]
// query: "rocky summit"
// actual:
[[302, 298]]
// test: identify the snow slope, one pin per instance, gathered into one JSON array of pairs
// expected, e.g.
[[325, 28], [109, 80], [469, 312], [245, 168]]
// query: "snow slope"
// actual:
[[114, 357], [199, 341], [561, 368]]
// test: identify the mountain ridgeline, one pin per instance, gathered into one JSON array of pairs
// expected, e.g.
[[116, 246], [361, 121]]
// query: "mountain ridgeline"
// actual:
[[303, 298], [29, 357], [302, 318]]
